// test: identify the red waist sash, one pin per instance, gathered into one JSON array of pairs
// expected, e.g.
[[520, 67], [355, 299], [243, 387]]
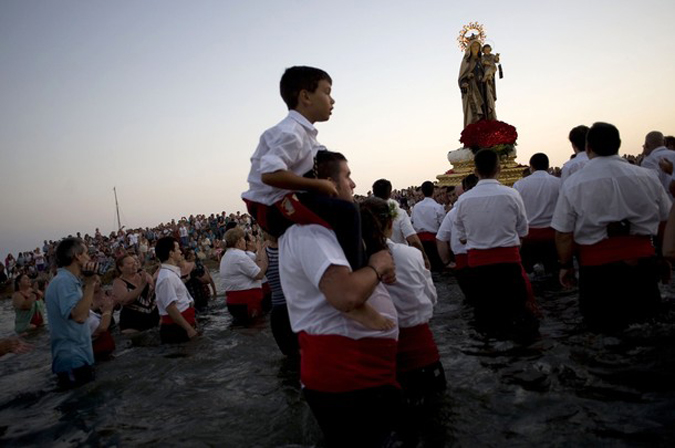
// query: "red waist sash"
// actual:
[[541, 234], [188, 315], [37, 319], [616, 248], [332, 363], [244, 297], [461, 261], [416, 348], [290, 207], [482, 257], [426, 236], [104, 343]]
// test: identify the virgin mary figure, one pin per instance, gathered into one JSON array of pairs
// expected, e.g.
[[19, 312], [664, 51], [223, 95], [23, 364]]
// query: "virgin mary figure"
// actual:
[[478, 97]]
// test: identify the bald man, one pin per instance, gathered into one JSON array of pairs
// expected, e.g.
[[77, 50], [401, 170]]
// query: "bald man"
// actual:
[[655, 151]]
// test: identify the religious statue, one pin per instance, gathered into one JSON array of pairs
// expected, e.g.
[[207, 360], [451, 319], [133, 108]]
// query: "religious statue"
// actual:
[[477, 83]]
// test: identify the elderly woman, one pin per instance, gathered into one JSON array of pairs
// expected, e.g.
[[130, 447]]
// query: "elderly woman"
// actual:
[[134, 289], [241, 277], [197, 279], [27, 304]]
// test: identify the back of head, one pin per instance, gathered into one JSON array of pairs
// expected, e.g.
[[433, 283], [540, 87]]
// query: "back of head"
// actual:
[[487, 162], [428, 189], [654, 139], [232, 236], [578, 137], [67, 250], [469, 182], [328, 164], [603, 139], [165, 245], [669, 142], [539, 161], [375, 218], [382, 189], [299, 78]]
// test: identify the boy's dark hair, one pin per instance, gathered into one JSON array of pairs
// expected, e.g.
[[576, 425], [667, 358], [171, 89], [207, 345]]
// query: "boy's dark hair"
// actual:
[[578, 137], [469, 182], [67, 249], [539, 161], [669, 140], [298, 78], [603, 139], [382, 189], [328, 164], [165, 245], [427, 189], [486, 161]]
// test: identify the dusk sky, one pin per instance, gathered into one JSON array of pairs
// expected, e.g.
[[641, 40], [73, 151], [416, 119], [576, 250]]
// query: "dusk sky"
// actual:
[[165, 100]]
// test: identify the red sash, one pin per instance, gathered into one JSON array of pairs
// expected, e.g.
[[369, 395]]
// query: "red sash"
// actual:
[[266, 290], [616, 248], [252, 298], [188, 315], [37, 319], [332, 363], [482, 257], [426, 236], [416, 348], [541, 234], [290, 207], [104, 343], [461, 261]]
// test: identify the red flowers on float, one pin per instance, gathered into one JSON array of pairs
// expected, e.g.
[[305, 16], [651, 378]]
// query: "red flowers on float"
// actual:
[[493, 134]]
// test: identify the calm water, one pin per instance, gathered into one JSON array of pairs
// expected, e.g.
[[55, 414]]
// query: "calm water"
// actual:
[[232, 387]]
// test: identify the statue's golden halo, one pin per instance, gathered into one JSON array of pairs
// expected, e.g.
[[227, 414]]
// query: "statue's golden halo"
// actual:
[[470, 32]]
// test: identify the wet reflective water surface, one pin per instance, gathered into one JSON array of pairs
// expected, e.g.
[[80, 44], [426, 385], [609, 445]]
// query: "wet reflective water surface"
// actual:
[[232, 386]]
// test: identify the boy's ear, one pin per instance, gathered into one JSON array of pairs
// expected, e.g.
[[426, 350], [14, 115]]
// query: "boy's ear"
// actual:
[[303, 96]]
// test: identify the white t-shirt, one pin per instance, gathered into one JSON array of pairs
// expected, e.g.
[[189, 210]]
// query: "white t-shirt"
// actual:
[[491, 215], [170, 288], [573, 165], [414, 294], [539, 192], [447, 232], [427, 215], [652, 162], [610, 190], [238, 271], [305, 253], [290, 146]]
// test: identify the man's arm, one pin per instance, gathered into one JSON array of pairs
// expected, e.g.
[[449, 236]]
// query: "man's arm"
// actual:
[[347, 290], [443, 251], [80, 312], [564, 243], [291, 181], [414, 241]]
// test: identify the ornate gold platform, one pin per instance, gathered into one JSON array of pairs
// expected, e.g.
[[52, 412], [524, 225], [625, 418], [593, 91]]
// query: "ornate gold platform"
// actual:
[[510, 173]]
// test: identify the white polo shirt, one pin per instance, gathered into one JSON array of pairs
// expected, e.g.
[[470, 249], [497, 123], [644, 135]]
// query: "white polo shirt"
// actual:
[[305, 252], [491, 215], [170, 288], [652, 162], [402, 228], [540, 192], [238, 271], [427, 215], [573, 165], [447, 232], [290, 146], [414, 294], [610, 190]]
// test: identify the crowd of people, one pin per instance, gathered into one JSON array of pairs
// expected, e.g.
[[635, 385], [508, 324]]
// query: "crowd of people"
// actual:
[[349, 280]]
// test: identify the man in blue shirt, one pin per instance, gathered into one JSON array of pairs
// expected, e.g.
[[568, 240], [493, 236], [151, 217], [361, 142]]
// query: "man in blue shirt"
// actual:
[[68, 307]]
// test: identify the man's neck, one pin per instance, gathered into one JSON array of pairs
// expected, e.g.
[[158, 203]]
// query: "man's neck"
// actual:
[[74, 269]]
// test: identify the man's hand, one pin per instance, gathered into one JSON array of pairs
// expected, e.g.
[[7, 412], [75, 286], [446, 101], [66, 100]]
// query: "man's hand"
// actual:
[[383, 263], [326, 187], [567, 278], [666, 166]]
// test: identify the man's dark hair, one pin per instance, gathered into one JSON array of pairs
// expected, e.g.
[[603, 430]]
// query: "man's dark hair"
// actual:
[[578, 137], [487, 162], [382, 189], [165, 245], [298, 78], [67, 250], [428, 189], [469, 182], [603, 139], [669, 141], [328, 164], [539, 161]]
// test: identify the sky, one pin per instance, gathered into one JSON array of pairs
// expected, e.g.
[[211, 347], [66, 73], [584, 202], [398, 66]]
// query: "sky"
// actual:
[[165, 100]]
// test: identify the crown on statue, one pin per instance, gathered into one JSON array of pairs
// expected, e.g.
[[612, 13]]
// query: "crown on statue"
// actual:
[[470, 33]]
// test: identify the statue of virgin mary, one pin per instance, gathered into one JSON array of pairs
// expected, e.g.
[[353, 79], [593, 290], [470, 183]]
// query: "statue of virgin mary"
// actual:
[[478, 96]]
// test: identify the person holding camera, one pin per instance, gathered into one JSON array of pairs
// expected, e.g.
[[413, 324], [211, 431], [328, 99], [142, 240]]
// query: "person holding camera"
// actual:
[[68, 303]]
